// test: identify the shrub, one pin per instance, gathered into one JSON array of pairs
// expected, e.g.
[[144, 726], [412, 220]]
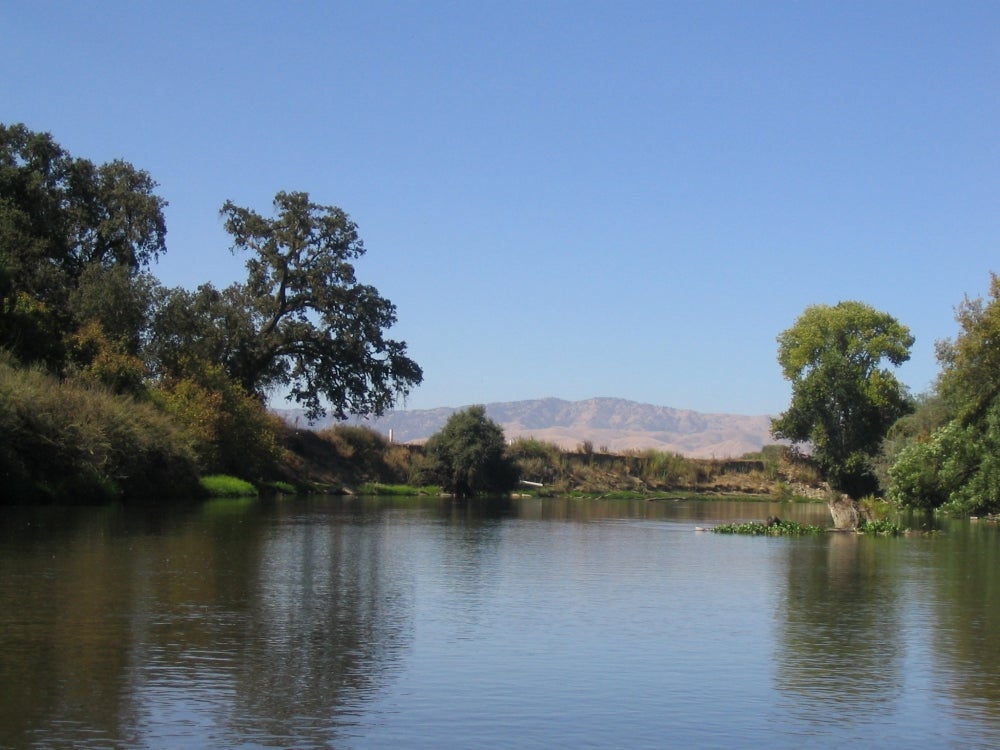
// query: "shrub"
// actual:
[[230, 430], [66, 442], [468, 455]]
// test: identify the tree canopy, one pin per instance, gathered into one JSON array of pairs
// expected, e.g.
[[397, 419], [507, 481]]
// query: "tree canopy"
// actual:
[[955, 460], [61, 216], [468, 455], [302, 321], [843, 400], [77, 301]]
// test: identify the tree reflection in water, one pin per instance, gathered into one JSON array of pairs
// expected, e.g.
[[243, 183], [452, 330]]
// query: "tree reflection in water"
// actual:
[[253, 632], [839, 655]]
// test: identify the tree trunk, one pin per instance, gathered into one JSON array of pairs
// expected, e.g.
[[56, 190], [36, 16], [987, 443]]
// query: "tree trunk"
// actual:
[[845, 512]]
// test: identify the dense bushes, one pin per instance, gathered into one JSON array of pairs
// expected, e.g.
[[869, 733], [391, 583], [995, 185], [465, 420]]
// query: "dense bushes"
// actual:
[[467, 457], [948, 454], [231, 432], [67, 441], [191, 370]]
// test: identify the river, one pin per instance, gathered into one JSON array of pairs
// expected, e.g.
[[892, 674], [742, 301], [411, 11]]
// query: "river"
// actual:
[[429, 623]]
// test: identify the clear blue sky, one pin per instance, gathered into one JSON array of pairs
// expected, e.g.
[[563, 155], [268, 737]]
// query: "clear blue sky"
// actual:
[[567, 199]]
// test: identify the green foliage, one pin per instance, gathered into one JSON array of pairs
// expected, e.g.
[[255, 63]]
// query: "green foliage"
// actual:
[[118, 300], [74, 240], [968, 381], [206, 325], [31, 330], [223, 485], [880, 527], [930, 413], [951, 459], [64, 442], [916, 478], [843, 400], [396, 490], [60, 217], [468, 455], [230, 430], [775, 528], [93, 358]]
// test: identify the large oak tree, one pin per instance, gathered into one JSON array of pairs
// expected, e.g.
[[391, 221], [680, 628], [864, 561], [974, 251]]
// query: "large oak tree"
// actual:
[[301, 322]]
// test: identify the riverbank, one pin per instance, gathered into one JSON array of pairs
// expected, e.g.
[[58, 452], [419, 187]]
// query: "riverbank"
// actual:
[[357, 460]]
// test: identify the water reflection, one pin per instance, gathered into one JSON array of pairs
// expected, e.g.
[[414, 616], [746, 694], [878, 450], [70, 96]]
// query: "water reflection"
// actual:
[[247, 630], [839, 654], [64, 623], [343, 622], [966, 588]]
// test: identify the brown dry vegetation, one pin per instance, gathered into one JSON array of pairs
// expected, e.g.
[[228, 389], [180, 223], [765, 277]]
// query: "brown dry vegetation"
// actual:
[[341, 458]]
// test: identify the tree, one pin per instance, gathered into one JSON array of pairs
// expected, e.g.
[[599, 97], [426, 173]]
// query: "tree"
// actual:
[[302, 320], [468, 455], [843, 400], [956, 463], [59, 217], [206, 326], [968, 381]]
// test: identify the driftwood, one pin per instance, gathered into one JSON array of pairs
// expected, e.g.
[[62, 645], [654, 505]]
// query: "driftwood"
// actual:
[[846, 513]]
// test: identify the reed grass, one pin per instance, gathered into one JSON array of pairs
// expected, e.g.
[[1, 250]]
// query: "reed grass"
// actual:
[[397, 490], [224, 485]]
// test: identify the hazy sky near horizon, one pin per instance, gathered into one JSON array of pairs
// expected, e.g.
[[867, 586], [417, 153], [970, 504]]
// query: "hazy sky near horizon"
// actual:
[[570, 199]]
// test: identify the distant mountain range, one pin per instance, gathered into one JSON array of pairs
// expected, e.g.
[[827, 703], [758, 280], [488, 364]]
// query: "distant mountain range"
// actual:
[[611, 423]]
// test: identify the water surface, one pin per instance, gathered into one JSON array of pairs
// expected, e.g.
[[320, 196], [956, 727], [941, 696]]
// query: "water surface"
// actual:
[[338, 622]]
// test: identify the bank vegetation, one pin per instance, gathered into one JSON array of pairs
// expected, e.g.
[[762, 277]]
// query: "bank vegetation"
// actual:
[[114, 387]]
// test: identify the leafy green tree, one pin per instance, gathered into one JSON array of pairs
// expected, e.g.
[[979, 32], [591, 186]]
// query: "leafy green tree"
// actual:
[[301, 321], [843, 400], [956, 465], [930, 413], [114, 308], [118, 299], [971, 362], [59, 217], [193, 328], [468, 457]]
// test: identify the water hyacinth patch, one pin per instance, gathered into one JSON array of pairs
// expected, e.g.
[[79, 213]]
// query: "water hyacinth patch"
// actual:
[[881, 527], [774, 527]]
